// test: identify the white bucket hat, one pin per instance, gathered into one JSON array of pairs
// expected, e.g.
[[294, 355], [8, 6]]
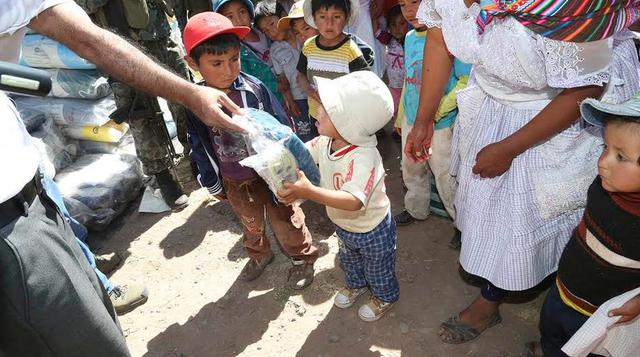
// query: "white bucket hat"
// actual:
[[308, 15], [596, 112], [358, 104]]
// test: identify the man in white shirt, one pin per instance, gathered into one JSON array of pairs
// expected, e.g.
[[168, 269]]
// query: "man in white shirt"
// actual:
[[51, 301]]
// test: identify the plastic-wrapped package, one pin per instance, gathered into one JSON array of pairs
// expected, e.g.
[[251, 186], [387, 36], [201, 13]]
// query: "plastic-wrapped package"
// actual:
[[79, 112], [32, 119], [111, 132], [55, 150], [125, 146], [83, 84], [42, 52], [278, 151], [97, 188]]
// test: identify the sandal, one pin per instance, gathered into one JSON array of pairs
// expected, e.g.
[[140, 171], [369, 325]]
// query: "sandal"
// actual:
[[457, 332], [533, 349]]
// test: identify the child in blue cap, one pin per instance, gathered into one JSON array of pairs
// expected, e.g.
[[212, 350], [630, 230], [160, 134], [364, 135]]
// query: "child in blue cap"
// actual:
[[602, 259]]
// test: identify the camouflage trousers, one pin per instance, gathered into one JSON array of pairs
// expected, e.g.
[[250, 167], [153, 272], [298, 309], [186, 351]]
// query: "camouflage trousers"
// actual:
[[148, 133]]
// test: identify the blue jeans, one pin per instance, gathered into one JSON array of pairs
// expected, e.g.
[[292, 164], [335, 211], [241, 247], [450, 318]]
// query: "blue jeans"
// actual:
[[51, 188]]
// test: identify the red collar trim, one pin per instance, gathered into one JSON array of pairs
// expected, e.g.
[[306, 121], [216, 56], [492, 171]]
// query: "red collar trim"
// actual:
[[342, 152]]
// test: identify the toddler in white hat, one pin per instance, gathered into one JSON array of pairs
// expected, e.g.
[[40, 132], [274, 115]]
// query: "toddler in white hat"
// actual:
[[353, 108]]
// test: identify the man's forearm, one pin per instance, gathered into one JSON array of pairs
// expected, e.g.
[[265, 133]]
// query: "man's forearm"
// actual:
[[68, 24]]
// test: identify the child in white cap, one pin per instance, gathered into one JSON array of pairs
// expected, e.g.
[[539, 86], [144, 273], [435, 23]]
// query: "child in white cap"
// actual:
[[352, 109]]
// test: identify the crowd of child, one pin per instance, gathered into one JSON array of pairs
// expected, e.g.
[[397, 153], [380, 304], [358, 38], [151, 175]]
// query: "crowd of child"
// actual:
[[513, 161], [528, 124], [514, 187]]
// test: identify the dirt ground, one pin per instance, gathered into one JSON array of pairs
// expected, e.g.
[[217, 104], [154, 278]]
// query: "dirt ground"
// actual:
[[190, 262]]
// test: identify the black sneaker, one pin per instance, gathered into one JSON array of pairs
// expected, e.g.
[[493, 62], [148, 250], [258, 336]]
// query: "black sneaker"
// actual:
[[455, 243], [254, 268], [404, 218], [171, 190], [107, 263]]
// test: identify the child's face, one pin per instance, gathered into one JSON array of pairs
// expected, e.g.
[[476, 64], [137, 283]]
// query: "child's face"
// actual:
[[409, 10], [219, 71], [398, 27], [619, 165], [302, 30], [269, 26], [330, 22], [324, 124], [237, 13]]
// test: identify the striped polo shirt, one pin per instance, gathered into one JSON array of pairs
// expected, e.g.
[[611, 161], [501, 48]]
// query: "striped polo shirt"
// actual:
[[332, 62]]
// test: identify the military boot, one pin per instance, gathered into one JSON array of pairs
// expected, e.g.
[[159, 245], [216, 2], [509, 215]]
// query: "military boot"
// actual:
[[171, 190]]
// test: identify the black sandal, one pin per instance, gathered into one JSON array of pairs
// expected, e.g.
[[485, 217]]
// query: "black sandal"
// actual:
[[457, 332]]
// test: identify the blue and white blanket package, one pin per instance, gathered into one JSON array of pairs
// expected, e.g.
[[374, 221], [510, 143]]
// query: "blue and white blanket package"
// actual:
[[278, 152]]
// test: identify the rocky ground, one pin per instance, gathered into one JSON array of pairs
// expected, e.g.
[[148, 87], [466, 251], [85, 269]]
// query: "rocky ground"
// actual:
[[190, 262]]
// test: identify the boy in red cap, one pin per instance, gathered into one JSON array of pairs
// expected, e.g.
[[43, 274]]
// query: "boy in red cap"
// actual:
[[213, 48]]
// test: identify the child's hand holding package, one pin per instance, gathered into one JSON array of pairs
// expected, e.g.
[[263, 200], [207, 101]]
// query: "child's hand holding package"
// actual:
[[291, 192]]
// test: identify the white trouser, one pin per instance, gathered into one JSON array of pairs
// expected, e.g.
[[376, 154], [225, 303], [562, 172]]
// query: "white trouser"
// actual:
[[416, 175], [440, 163], [416, 178]]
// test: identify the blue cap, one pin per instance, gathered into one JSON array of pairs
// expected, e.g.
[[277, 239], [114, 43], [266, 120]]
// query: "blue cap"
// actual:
[[217, 4], [596, 112]]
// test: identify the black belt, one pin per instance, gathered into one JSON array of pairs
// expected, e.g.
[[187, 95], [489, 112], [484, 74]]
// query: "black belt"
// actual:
[[18, 205]]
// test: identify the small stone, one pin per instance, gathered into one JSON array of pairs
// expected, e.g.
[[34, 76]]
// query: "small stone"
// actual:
[[334, 338], [404, 327], [392, 314]]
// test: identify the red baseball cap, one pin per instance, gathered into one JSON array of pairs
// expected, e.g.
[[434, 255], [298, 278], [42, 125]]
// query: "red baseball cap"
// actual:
[[205, 25]]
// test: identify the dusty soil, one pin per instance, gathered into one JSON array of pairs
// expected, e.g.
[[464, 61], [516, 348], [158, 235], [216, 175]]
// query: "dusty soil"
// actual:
[[190, 262]]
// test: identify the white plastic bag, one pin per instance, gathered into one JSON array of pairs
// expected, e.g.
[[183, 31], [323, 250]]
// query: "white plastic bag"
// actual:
[[275, 164], [81, 84], [97, 188], [56, 152], [42, 52], [77, 112]]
